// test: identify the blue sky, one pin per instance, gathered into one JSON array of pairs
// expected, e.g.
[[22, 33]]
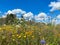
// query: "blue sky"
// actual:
[[31, 7], [35, 6]]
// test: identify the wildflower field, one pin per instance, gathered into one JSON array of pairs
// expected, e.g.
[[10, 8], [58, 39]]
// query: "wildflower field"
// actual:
[[29, 35], [20, 32]]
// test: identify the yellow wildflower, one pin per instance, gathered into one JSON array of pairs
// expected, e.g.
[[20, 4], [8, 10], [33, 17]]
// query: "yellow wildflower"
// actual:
[[19, 36], [13, 39], [32, 36], [24, 36], [0, 28]]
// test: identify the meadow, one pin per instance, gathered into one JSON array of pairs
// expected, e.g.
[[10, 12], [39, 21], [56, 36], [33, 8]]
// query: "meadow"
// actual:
[[29, 33]]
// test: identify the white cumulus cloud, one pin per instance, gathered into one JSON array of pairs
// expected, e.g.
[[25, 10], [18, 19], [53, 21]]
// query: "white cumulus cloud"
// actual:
[[54, 6], [15, 11], [58, 16], [28, 16], [41, 16]]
